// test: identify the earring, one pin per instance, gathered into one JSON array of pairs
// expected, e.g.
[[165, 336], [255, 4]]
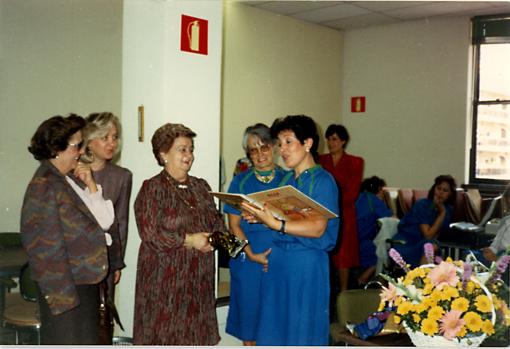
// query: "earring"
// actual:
[[56, 156], [307, 150], [165, 161]]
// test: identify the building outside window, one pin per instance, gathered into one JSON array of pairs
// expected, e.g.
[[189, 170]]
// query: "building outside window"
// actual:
[[491, 106]]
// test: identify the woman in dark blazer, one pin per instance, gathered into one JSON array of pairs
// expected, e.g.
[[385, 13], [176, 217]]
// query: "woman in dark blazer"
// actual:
[[65, 244]]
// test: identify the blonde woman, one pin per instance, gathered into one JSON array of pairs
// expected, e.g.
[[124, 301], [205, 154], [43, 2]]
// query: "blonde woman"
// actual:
[[102, 143]]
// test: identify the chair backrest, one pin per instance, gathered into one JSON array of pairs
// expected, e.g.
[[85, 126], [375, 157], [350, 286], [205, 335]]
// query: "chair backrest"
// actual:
[[459, 213], [404, 200], [356, 305], [419, 194], [27, 286], [473, 201], [9, 240]]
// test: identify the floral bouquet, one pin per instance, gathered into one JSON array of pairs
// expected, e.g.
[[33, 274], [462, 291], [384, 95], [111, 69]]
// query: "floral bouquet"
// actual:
[[448, 303]]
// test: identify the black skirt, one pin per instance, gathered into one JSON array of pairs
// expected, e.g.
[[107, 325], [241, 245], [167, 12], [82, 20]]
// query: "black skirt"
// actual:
[[77, 326]]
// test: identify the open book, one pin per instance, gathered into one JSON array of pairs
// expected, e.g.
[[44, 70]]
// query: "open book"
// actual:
[[285, 203]]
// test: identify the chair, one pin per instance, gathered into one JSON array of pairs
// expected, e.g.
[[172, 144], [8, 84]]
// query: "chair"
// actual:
[[404, 201], [354, 306], [388, 227], [21, 309], [419, 194], [473, 205]]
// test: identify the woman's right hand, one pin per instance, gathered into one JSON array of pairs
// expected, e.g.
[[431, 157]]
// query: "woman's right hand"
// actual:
[[83, 172]]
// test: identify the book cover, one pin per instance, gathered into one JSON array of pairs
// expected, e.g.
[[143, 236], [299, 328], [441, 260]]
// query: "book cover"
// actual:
[[285, 203]]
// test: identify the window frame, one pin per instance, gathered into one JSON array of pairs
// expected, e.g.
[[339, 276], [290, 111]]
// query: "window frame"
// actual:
[[487, 30]]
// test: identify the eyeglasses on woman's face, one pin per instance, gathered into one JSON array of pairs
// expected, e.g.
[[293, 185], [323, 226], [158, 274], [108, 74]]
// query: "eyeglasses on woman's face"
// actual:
[[264, 148], [77, 146]]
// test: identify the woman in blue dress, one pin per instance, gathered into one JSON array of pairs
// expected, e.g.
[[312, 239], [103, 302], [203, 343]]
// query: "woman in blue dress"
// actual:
[[295, 290], [246, 270], [369, 208], [426, 219]]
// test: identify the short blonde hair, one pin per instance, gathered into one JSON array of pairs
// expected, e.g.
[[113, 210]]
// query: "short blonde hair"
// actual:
[[98, 126], [164, 138]]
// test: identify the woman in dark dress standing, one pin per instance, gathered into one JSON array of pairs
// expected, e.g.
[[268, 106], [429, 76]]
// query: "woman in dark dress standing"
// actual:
[[101, 139], [175, 214]]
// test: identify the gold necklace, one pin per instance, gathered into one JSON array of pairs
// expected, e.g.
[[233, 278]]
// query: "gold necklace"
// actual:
[[178, 188], [265, 179]]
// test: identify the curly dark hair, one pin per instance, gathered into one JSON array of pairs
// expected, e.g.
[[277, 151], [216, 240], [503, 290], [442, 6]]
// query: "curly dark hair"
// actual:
[[340, 131], [451, 183], [52, 136], [372, 184], [303, 127], [164, 138]]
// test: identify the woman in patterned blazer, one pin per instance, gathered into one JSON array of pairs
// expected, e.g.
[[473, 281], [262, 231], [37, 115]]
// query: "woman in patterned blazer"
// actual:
[[63, 220]]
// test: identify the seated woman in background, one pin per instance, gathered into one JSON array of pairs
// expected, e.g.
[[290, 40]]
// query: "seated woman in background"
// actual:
[[369, 207], [501, 242], [426, 219]]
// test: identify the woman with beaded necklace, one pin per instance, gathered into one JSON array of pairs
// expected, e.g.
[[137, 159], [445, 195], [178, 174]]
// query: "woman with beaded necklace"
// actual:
[[245, 270], [294, 306]]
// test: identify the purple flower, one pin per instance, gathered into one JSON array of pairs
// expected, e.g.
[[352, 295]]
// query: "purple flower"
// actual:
[[398, 259], [429, 252], [466, 275], [501, 266]]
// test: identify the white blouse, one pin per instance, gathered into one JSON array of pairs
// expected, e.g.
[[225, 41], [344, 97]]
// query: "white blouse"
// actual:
[[101, 209]]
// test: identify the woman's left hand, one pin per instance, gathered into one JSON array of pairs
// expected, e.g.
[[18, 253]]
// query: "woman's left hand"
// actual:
[[256, 215], [199, 241]]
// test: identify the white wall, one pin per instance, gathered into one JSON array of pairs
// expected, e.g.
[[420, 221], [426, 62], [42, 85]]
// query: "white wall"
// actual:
[[415, 77], [274, 66], [174, 86], [56, 57]]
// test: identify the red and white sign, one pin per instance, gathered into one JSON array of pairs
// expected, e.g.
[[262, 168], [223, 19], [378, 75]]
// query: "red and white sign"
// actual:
[[358, 104], [194, 34]]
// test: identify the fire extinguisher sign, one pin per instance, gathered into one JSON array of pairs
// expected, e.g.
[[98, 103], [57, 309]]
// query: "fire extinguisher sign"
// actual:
[[193, 35]]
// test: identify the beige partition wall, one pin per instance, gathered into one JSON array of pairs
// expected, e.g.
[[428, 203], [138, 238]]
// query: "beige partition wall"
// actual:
[[275, 66]]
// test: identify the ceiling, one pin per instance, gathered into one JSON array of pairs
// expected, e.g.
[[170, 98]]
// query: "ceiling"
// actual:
[[344, 15]]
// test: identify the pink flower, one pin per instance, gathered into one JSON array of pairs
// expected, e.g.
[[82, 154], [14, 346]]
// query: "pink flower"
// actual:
[[450, 324], [444, 274], [389, 294]]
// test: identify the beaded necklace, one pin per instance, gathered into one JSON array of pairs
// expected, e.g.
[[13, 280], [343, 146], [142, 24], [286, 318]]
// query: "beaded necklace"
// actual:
[[180, 192], [265, 176]]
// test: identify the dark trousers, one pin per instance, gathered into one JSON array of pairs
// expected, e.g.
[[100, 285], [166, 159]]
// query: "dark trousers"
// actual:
[[77, 326]]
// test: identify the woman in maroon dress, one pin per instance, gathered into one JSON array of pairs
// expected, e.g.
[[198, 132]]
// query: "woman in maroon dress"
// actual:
[[348, 172], [175, 214]]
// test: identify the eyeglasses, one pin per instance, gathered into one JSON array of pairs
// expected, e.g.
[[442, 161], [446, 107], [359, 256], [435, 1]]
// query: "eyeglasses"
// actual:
[[76, 145], [262, 149]]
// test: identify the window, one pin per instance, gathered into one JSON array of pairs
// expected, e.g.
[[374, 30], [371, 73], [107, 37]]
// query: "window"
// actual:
[[491, 105]]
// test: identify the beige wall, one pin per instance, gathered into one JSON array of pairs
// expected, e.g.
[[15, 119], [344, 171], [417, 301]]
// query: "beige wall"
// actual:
[[415, 77], [275, 66], [56, 57]]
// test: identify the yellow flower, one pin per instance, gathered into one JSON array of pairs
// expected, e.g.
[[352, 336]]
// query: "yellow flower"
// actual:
[[462, 332], [429, 302], [396, 319], [404, 308], [429, 327], [416, 318], [483, 304], [487, 327], [473, 321], [449, 260], [427, 288], [420, 307], [436, 296], [436, 312], [381, 306], [451, 292], [460, 304], [470, 287]]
